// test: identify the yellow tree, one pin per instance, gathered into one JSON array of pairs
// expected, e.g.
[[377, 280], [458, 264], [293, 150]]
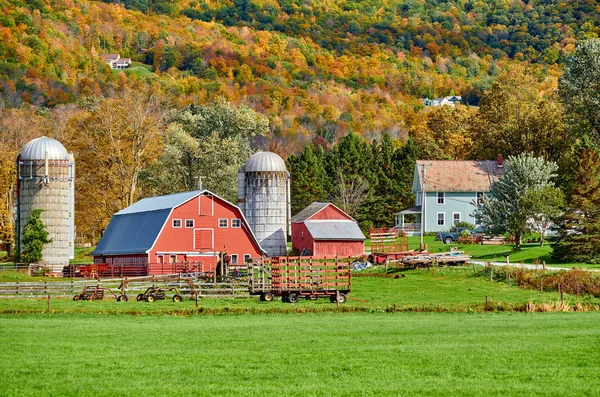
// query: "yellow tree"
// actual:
[[113, 144]]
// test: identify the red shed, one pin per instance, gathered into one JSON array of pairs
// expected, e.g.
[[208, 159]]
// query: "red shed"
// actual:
[[190, 227], [322, 229]]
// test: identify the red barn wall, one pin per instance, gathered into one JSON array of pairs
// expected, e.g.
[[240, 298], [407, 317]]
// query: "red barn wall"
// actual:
[[206, 212], [332, 248], [301, 237], [330, 213]]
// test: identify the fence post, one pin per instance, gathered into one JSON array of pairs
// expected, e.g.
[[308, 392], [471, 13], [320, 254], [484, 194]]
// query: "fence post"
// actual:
[[48, 303], [486, 302]]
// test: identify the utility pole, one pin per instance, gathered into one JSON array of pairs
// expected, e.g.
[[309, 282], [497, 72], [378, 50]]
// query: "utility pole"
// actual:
[[422, 244]]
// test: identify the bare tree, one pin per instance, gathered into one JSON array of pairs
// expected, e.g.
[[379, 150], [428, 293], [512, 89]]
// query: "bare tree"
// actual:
[[350, 192]]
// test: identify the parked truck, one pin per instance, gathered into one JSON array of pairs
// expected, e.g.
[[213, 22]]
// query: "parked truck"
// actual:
[[451, 237]]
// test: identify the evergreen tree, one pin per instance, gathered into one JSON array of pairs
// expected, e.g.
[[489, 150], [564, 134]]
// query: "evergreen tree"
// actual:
[[35, 237], [579, 226], [308, 178], [383, 205]]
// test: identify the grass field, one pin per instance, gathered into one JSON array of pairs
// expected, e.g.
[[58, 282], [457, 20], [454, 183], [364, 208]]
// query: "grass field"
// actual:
[[453, 289], [312, 354]]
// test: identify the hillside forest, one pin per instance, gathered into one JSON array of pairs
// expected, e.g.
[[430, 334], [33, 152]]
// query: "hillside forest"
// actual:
[[334, 87]]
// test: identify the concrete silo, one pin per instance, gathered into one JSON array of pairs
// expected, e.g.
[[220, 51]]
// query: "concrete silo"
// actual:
[[46, 181], [264, 198]]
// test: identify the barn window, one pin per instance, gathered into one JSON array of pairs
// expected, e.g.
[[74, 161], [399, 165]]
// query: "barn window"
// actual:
[[176, 222], [189, 223], [246, 258], [172, 258], [234, 259], [235, 222], [223, 222]]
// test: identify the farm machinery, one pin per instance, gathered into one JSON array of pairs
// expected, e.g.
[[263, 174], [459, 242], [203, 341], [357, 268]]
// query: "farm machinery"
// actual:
[[156, 293], [96, 293]]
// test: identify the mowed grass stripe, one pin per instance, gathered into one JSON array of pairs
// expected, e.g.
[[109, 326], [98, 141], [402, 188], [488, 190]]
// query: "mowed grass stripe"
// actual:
[[312, 354]]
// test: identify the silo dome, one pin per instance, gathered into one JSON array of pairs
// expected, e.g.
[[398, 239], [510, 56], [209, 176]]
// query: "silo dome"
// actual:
[[37, 148], [265, 162]]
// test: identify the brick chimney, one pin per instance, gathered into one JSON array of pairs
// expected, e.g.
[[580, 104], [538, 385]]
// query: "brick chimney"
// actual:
[[500, 161]]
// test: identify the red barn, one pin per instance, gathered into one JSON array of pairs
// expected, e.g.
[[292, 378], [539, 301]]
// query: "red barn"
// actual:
[[161, 232], [322, 229]]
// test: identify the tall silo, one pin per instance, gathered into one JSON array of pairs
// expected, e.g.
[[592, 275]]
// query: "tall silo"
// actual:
[[46, 181], [264, 198]]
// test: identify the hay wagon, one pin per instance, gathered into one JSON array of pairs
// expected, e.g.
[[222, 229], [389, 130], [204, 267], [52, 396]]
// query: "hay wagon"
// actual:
[[295, 278]]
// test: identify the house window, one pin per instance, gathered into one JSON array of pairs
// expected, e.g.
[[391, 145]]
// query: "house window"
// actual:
[[176, 222], [235, 222], [441, 219], [189, 223], [479, 198], [246, 258], [223, 222], [172, 258], [455, 218], [440, 198], [234, 259], [159, 259]]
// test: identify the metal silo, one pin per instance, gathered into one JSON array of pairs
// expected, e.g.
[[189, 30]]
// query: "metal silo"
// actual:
[[46, 181], [264, 198]]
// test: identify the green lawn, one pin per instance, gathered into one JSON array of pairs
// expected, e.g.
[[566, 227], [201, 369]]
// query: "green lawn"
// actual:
[[529, 253], [137, 68], [312, 354]]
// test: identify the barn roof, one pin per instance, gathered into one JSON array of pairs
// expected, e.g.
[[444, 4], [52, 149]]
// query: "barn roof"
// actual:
[[334, 230], [136, 228], [160, 202], [132, 233], [309, 211]]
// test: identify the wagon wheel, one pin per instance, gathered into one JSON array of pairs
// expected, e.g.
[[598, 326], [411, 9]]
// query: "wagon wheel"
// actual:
[[150, 298], [341, 298], [76, 297], [293, 297], [140, 297], [122, 298], [268, 297], [176, 298]]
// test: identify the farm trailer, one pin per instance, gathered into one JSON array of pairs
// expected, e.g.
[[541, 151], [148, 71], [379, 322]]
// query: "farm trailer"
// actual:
[[293, 278]]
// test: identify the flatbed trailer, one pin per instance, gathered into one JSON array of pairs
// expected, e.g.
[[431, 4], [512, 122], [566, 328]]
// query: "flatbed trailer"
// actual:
[[302, 277], [380, 258], [436, 259]]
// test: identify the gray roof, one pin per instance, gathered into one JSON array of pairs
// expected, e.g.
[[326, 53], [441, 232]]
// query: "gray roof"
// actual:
[[37, 148], [132, 233], [265, 162], [160, 203], [411, 210], [309, 211], [334, 230]]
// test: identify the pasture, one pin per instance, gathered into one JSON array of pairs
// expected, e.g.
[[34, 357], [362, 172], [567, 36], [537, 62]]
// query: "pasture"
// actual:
[[311, 354]]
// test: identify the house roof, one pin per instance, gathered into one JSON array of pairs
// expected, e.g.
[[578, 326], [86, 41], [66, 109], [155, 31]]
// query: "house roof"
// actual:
[[413, 210], [136, 228], [334, 230], [457, 176], [309, 211]]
